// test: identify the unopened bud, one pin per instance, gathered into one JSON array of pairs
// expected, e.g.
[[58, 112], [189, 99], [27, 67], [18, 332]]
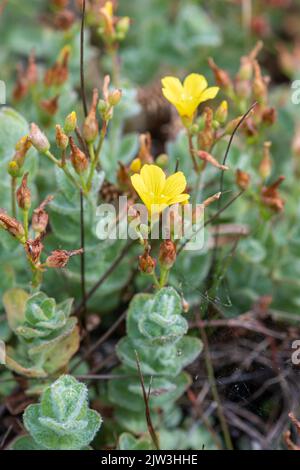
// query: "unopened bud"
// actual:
[[222, 112], [70, 123], [147, 263], [50, 106], [265, 166], [102, 107], [231, 126], [185, 305], [34, 249], [259, 85], [23, 145], [122, 27], [60, 258], [222, 78], [90, 126], [208, 158], [40, 217], [136, 165], [167, 254], [62, 140], [23, 194], [269, 116], [114, 97], [246, 69], [271, 196], [162, 160], [38, 139], [242, 179], [212, 199], [12, 225], [78, 158], [13, 169]]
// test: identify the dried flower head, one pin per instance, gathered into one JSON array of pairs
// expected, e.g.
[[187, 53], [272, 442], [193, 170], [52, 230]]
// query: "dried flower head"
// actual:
[[60, 258], [23, 194]]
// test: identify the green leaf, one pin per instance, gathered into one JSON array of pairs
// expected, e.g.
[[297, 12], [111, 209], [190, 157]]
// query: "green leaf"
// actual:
[[63, 421]]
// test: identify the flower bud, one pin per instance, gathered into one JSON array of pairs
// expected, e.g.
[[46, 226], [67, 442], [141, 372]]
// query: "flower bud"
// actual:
[[259, 85], [265, 166], [271, 197], [60, 258], [246, 69], [242, 179], [102, 107], [62, 140], [38, 139], [24, 195], [122, 27], [40, 217], [114, 97], [269, 116], [222, 78], [232, 125], [162, 160], [211, 199], [70, 123], [13, 169], [147, 263], [222, 112], [136, 165], [206, 157], [34, 249], [167, 254], [12, 225], [23, 145], [50, 106], [78, 158], [90, 126]]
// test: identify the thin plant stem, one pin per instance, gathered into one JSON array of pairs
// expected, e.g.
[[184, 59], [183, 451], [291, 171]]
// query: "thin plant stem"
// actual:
[[13, 196], [85, 111], [82, 258], [83, 95], [95, 157], [214, 389], [192, 151], [164, 274], [25, 223]]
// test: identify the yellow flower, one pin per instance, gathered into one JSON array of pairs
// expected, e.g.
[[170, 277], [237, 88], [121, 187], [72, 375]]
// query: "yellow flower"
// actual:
[[186, 97], [158, 192]]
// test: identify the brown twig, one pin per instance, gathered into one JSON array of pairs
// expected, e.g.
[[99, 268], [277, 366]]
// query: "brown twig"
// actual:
[[146, 401]]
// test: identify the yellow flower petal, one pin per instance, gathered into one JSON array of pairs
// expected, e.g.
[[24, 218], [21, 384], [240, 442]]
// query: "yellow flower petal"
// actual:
[[154, 179], [209, 93], [174, 87], [194, 85], [181, 198], [139, 185], [175, 185]]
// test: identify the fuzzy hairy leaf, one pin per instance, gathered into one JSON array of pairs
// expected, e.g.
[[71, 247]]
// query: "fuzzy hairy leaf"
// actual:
[[63, 420]]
